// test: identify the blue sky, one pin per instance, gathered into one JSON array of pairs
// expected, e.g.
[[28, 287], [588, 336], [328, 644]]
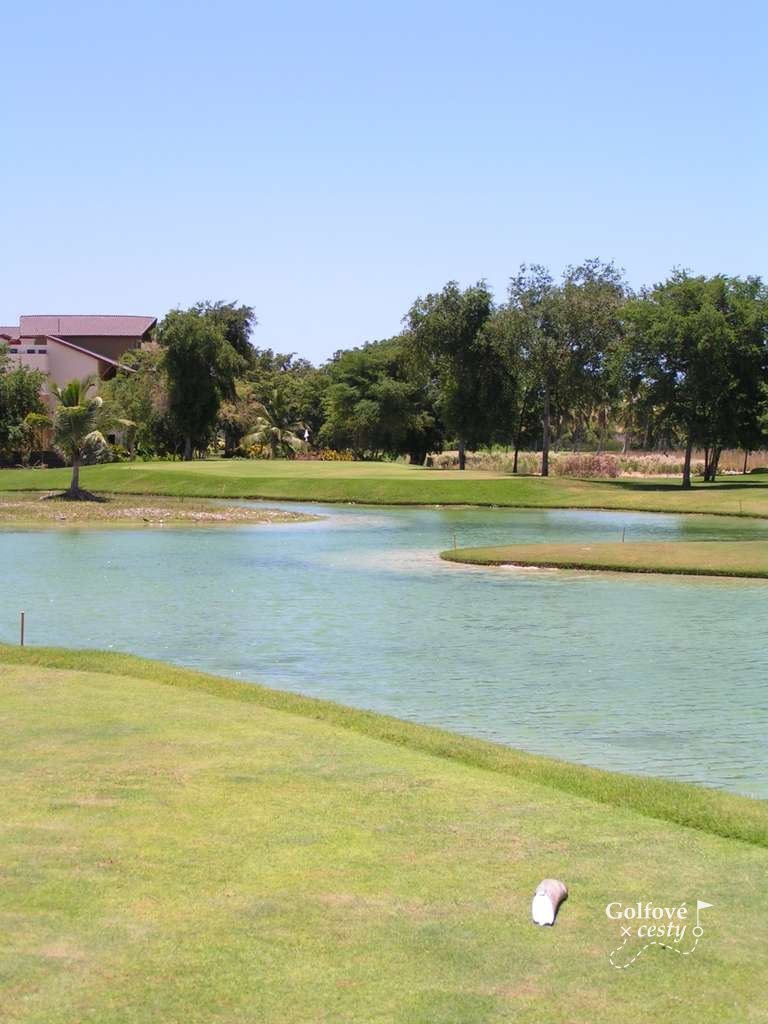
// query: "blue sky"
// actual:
[[328, 162]]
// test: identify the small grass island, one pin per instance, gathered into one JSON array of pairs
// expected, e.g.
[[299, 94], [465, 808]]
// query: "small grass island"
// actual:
[[747, 559], [30, 509]]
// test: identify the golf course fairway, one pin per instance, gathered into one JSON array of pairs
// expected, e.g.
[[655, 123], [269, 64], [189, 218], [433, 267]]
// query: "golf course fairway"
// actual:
[[395, 483], [178, 847]]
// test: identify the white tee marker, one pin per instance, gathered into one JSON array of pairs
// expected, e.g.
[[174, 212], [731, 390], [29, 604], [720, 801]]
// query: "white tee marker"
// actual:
[[549, 894]]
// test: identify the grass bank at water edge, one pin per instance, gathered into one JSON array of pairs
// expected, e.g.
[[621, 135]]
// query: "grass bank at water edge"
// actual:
[[697, 807], [399, 484]]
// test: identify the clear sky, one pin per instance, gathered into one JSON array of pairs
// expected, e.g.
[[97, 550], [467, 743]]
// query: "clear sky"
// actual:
[[328, 162]]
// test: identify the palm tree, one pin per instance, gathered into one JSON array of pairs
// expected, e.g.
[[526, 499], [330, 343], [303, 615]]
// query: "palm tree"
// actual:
[[276, 427], [74, 430]]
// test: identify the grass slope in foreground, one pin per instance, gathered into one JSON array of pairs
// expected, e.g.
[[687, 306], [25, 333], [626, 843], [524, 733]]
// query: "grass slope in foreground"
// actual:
[[691, 558], [388, 483], [208, 851]]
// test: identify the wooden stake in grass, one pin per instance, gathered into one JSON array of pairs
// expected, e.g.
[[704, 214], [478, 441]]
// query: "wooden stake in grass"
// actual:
[[21, 630]]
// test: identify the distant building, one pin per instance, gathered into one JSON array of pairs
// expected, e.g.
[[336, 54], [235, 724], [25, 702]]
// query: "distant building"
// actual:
[[68, 347]]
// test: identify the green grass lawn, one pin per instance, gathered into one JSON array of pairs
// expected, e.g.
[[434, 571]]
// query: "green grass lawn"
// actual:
[[181, 848], [397, 483], [699, 558]]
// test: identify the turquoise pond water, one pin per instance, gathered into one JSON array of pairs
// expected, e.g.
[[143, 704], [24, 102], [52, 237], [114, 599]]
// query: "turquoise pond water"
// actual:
[[650, 674]]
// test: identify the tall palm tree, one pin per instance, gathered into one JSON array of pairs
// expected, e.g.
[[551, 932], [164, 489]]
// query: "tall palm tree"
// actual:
[[276, 427], [74, 430]]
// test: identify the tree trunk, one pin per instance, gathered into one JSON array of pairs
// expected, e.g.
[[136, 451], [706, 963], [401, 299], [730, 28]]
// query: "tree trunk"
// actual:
[[687, 464], [519, 432], [714, 462], [545, 422], [187, 456], [628, 431], [75, 491], [746, 461], [462, 455], [711, 463], [602, 422]]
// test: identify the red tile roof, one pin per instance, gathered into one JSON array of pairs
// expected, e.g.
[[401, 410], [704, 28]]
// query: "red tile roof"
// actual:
[[85, 326], [10, 332]]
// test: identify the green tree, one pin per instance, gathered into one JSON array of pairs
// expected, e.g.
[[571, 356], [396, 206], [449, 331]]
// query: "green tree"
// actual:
[[138, 394], [703, 347], [74, 430], [566, 330], [236, 323], [238, 416], [19, 397], [740, 409], [275, 427], [301, 384], [378, 403], [518, 395], [38, 427], [201, 366], [444, 336]]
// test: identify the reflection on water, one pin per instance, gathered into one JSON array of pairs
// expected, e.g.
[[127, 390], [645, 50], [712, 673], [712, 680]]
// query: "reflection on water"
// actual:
[[663, 675]]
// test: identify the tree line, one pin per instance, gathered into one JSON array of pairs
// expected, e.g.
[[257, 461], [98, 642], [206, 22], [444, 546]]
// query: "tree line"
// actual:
[[574, 361]]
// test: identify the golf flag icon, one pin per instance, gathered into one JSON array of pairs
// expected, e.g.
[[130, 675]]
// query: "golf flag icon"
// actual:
[[700, 905]]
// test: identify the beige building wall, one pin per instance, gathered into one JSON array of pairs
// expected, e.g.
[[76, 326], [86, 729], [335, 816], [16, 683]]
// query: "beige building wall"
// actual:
[[33, 356], [65, 364]]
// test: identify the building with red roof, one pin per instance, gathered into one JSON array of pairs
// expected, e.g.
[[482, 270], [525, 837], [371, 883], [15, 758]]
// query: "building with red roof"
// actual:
[[66, 347]]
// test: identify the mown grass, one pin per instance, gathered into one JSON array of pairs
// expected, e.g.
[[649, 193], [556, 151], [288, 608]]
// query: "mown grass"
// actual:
[[693, 558], [206, 851], [400, 484], [710, 810]]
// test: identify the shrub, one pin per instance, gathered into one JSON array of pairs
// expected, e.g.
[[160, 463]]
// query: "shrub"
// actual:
[[332, 455], [120, 453], [258, 451], [96, 449], [585, 464], [658, 464]]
